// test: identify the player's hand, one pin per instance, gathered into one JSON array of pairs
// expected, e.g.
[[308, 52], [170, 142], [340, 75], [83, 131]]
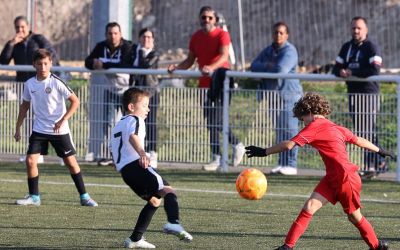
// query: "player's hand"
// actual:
[[382, 152], [144, 160], [17, 135], [252, 151], [58, 125]]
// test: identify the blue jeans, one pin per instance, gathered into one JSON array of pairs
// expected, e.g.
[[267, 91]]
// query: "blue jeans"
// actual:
[[286, 126]]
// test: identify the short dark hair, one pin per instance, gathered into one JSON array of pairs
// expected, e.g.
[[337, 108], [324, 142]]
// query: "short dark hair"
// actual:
[[133, 95], [144, 30], [278, 24], [19, 18], [112, 25], [41, 54], [311, 103], [356, 18]]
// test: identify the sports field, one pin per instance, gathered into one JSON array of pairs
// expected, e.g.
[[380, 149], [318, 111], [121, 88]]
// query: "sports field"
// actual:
[[210, 210]]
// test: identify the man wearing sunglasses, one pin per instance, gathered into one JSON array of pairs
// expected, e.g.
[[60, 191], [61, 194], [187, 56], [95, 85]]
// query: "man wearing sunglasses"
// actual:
[[210, 47]]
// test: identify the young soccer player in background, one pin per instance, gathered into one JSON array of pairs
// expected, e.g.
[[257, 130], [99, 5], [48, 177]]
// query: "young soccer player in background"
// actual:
[[127, 147], [341, 182], [46, 92]]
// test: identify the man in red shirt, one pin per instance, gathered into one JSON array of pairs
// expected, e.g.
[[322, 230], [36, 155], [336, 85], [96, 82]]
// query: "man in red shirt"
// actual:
[[341, 182], [210, 46]]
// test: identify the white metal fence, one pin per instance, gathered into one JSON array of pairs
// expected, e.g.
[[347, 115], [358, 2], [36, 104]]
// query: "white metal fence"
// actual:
[[182, 134]]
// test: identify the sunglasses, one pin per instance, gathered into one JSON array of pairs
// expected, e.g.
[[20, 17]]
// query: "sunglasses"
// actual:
[[207, 17]]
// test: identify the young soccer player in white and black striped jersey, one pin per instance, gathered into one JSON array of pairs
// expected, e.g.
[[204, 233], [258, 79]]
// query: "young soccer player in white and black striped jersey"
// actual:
[[46, 92], [131, 160]]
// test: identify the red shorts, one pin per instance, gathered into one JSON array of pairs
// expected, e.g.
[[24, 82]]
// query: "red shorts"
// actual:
[[347, 193]]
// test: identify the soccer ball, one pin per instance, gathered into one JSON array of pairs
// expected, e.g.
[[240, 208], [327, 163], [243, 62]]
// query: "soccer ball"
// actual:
[[251, 184]]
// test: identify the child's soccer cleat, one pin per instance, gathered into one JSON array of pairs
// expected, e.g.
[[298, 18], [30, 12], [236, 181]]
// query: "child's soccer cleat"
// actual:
[[89, 202], [383, 245], [142, 243], [178, 231], [284, 247], [29, 200]]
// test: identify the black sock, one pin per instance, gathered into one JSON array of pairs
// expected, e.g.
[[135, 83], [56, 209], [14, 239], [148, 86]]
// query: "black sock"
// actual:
[[143, 222], [171, 208], [33, 185], [78, 180]]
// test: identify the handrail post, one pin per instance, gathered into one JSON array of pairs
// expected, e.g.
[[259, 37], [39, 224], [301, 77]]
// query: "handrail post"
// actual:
[[225, 125], [398, 129]]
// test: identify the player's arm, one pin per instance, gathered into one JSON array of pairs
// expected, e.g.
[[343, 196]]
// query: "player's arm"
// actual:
[[23, 109], [74, 100], [252, 151], [364, 143], [134, 140]]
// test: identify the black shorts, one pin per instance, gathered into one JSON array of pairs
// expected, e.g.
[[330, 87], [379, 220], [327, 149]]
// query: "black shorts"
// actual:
[[144, 182], [39, 143]]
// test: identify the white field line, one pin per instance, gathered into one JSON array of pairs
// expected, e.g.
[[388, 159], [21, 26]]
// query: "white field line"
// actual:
[[192, 190]]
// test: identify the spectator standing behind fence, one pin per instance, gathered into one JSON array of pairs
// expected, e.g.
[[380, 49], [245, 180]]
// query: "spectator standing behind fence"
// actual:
[[341, 182], [46, 92], [22, 47], [210, 46], [145, 56], [361, 57], [281, 57], [106, 89]]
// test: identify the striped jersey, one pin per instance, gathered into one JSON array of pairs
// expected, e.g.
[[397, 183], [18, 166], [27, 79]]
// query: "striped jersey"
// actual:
[[121, 149]]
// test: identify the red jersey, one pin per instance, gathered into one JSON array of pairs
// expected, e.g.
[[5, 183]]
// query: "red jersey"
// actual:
[[206, 47], [330, 141]]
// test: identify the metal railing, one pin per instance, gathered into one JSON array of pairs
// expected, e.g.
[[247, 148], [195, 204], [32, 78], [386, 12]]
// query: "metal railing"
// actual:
[[229, 120]]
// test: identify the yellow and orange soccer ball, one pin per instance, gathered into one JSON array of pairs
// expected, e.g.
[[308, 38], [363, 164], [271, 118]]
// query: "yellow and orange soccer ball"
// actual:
[[251, 184]]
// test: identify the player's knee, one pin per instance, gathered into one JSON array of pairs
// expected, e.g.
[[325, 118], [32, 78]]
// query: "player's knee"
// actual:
[[310, 206]]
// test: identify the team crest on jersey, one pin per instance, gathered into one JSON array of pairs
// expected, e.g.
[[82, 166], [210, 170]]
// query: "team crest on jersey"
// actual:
[[48, 90]]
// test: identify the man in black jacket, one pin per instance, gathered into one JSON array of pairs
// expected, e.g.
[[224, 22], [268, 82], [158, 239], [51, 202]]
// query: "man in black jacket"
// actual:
[[106, 89], [362, 58], [22, 47]]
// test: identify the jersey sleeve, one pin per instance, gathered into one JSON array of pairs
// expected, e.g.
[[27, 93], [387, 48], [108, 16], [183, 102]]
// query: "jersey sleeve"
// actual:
[[305, 136], [225, 38], [64, 89], [348, 135], [25, 94], [133, 126]]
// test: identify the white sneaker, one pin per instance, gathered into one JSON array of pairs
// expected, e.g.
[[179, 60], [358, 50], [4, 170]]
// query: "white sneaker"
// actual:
[[238, 153], [142, 243], [153, 159], [178, 231], [276, 169], [28, 200], [89, 157], [214, 164], [287, 170]]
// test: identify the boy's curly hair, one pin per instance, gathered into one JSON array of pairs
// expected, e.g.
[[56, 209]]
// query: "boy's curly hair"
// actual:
[[311, 103]]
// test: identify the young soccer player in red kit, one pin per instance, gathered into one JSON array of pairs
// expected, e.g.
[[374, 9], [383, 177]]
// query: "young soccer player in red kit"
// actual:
[[341, 182]]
